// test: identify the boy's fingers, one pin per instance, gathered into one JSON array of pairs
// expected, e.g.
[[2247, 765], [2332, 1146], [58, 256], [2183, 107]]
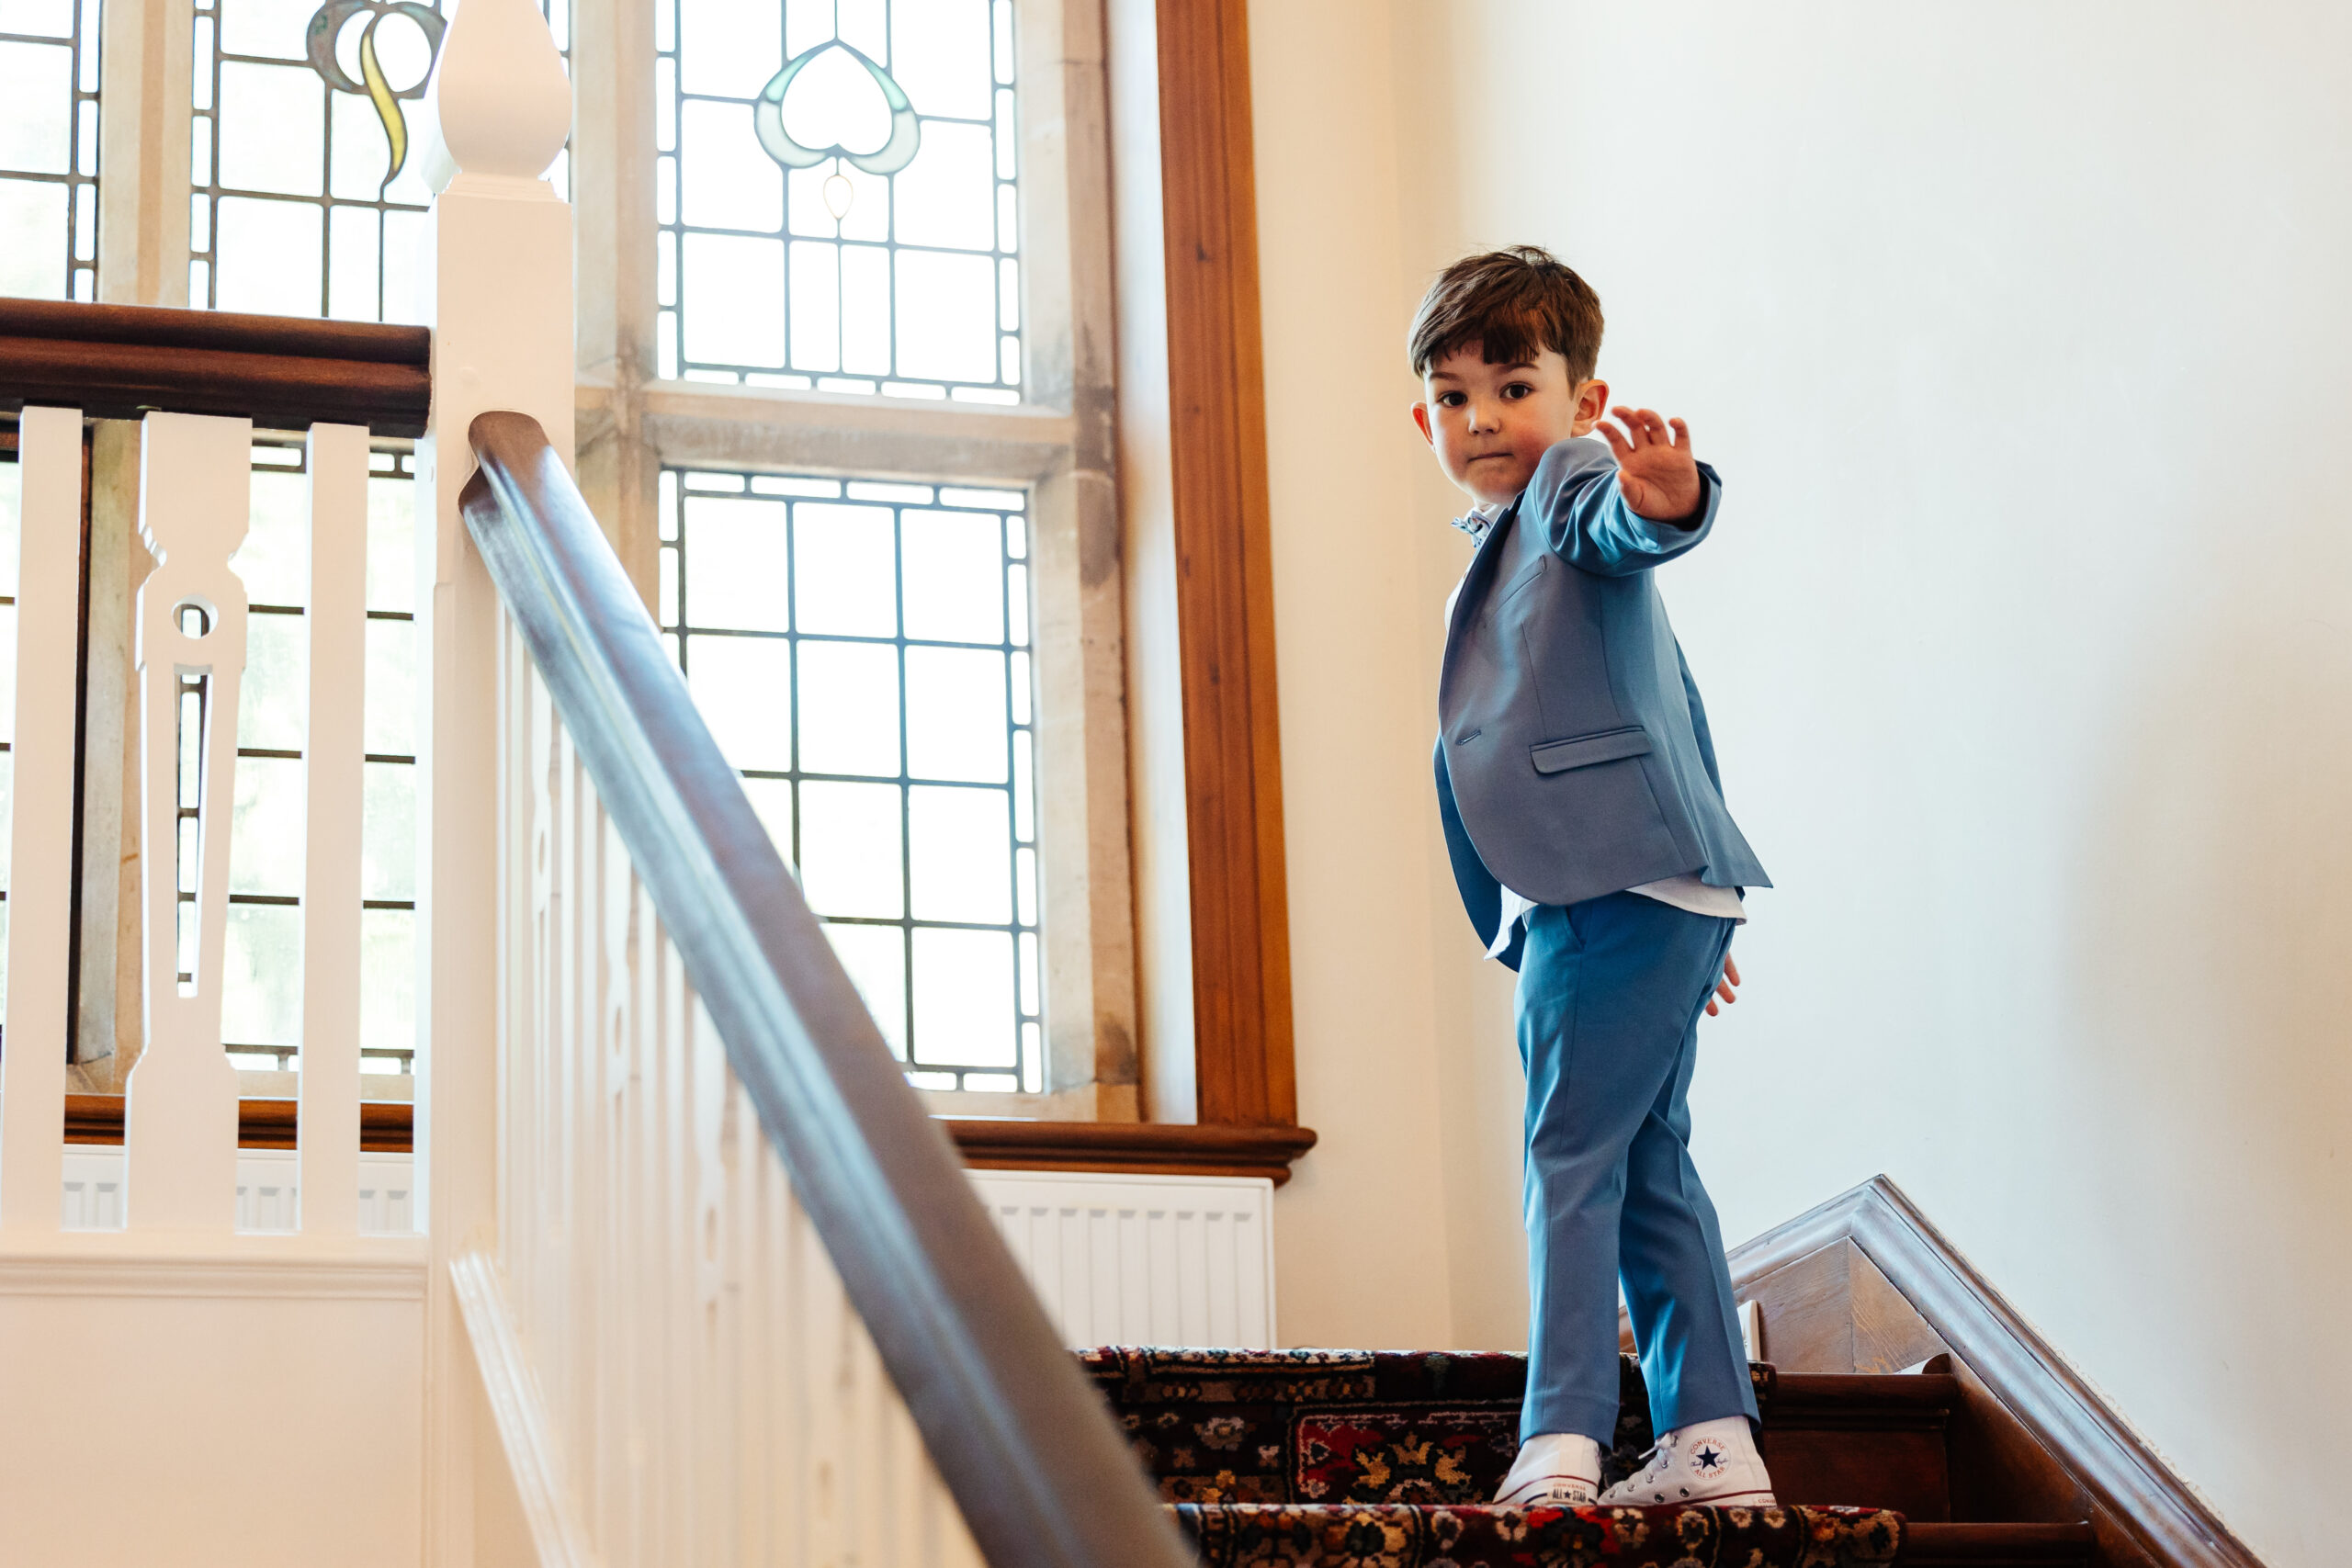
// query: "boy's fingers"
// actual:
[[1681, 432], [1617, 443], [1731, 970], [1631, 420]]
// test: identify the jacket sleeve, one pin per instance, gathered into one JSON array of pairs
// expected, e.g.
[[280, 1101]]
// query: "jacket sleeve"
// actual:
[[1575, 500]]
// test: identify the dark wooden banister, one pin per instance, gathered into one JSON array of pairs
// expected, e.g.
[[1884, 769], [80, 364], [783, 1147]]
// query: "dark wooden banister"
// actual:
[[121, 361], [1024, 1444]]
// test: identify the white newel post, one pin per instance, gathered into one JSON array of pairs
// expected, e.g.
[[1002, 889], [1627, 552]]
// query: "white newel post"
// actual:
[[180, 1110], [499, 279], [40, 877]]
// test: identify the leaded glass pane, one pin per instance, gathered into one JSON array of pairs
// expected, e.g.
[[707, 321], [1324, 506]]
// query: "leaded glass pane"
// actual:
[[836, 183], [49, 148], [308, 199], [856, 650], [260, 984]]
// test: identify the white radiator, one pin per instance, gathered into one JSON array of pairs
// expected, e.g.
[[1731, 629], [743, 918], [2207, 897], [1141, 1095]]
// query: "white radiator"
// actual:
[[1143, 1259]]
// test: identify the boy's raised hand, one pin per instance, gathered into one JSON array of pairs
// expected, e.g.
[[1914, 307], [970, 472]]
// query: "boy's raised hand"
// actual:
[[1655, 465]]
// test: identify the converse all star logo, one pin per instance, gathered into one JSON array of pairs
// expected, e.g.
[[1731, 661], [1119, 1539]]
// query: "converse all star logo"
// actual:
[[1708, 1459]]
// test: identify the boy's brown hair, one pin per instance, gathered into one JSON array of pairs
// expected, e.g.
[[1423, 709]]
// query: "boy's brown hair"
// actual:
[[1514, 304]]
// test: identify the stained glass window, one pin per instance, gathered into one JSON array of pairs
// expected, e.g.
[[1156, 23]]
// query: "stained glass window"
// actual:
[[262, 976], [308, 195], [861, 650], [836, 188], [49, 148]]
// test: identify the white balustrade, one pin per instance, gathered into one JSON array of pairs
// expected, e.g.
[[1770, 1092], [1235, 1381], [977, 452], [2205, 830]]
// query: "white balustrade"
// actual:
[[179, 1164], [197, 1367], [698, 1390]]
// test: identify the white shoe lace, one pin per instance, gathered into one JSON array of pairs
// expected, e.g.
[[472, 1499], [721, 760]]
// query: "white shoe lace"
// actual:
[[1655, 1462]]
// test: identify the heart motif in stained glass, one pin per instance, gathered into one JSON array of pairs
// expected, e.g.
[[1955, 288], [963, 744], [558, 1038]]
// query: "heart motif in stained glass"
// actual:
[[835, 90], [324, 43]]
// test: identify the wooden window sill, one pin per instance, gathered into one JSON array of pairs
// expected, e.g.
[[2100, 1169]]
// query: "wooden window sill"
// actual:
[[1124, 1148], [1129, 1148]]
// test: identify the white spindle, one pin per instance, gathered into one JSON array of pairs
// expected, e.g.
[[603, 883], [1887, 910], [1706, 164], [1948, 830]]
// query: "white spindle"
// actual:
[[32, 1066], [180, 1115], [334, 762], [692, 1355]]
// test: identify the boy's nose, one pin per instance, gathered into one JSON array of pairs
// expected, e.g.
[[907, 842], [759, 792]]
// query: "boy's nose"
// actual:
[[1484, 416]]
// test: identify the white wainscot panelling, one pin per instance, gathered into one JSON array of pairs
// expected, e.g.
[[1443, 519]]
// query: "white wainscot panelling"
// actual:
[[1143, 1259], [266, 1188]]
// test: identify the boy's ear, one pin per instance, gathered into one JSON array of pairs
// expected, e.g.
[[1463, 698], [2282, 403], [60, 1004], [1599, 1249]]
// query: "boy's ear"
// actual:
[[1421, 417], [1592, 402]]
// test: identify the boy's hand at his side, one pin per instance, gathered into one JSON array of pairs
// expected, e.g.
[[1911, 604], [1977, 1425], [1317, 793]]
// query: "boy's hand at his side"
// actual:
[[1726, 988], [1655, 469]]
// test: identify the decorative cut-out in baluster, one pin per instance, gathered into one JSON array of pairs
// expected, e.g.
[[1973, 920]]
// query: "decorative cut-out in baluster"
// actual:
[[195, 495]]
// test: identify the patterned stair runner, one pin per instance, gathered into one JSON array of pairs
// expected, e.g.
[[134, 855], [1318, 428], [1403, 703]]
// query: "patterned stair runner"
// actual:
[[1348, 1459]]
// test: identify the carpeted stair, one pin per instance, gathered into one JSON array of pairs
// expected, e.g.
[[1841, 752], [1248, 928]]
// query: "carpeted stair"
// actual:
[[1347, 1459]]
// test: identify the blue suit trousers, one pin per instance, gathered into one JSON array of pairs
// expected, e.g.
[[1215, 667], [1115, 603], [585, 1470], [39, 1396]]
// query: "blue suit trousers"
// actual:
[[1611, 992]]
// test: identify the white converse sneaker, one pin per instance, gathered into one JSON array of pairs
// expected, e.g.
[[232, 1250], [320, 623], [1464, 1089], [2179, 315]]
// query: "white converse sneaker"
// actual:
[[1554, 1470], [1707, 1461]]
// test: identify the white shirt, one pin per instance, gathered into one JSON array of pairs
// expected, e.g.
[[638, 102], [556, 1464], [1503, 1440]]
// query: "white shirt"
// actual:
[[1685, 892]]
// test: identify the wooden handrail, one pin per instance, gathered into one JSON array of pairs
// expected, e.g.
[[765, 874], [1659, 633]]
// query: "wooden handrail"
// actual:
[[122, 361], [1040, 1472]]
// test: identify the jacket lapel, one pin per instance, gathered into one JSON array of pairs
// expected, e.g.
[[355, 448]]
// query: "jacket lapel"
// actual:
[[1474, 583]]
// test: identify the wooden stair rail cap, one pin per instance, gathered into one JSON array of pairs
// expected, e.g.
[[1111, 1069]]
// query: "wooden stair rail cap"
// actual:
[[124, 361]]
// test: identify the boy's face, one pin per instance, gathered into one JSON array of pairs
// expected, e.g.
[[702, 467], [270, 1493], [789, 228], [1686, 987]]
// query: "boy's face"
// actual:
[[1490, 424]]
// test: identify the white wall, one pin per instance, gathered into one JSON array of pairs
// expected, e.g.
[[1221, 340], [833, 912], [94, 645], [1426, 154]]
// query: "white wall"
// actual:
[[1360, 1229], [2015, 331]]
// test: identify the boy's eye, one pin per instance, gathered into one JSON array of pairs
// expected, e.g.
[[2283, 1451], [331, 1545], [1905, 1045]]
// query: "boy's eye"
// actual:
[[1451, 400], [1518, 389]]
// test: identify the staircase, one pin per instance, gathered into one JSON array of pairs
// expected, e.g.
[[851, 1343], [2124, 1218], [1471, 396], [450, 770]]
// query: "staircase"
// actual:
[[1387, 1459]]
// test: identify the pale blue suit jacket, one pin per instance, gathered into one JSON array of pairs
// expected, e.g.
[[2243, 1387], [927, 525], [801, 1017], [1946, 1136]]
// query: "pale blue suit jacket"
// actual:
[[1573, 758]]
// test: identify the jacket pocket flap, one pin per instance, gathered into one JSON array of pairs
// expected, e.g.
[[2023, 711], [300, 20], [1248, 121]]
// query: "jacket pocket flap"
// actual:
[[1584, 750], [1525, 575]]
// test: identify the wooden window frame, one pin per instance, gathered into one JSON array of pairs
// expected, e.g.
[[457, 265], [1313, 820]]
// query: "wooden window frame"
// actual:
[[1245, 1072]]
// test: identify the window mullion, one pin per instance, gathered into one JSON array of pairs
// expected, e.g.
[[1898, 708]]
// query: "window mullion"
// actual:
[[144, 96]]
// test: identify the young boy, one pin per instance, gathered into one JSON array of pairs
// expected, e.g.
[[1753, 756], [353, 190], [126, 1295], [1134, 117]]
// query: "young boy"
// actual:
[[1585, 823]]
